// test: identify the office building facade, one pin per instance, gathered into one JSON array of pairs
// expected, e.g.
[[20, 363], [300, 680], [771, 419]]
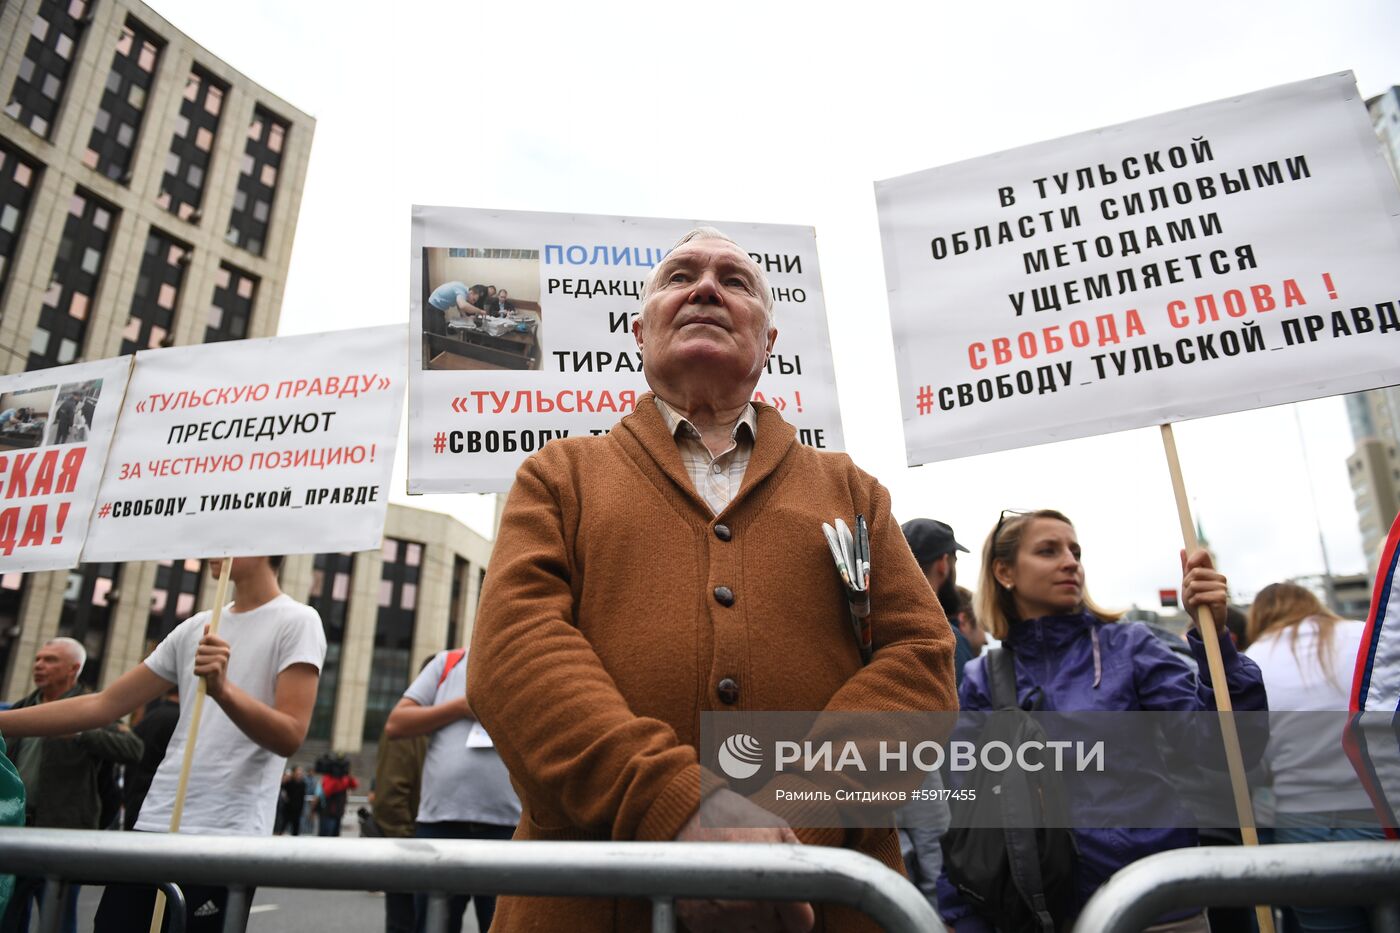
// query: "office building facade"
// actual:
[[149, 194], [148, 191]]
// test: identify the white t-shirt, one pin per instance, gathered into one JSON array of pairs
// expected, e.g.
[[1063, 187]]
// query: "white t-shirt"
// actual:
[[234, 782], [1311, 771], [460, 781]]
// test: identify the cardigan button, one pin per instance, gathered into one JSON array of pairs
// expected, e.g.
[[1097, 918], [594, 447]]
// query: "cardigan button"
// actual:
[[723, 533], [728, 690], [724, 596]]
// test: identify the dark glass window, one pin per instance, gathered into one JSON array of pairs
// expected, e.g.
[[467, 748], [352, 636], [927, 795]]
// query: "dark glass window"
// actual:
[[157, 293], [11, 600], [231, 311], [118, 120], [461, 571], [87, 231], [172, 598], [87, 613], [257, 182], [330, 596], [187, 163], [19, 178], [389, 672], [49, 54]]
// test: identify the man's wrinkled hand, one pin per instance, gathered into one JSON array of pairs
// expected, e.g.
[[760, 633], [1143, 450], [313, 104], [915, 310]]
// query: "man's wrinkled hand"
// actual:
[[724, 816]]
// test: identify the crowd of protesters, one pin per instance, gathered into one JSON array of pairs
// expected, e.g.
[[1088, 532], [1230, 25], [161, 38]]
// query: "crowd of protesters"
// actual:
[[671, 568]]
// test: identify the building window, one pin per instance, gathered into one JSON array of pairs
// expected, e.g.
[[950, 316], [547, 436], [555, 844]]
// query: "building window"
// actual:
[[118, 120], [461, 576], [19, 179], [11, 601], [172, 598], [87, 231], [231, 312], [157, 293], [187, 163], [330, 596], [454, 252], [393, 632], [49, 54], [87, 613], [257, 183]]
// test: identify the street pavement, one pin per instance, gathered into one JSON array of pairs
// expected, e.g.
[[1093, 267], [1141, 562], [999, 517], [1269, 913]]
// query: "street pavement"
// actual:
[[294, 910]]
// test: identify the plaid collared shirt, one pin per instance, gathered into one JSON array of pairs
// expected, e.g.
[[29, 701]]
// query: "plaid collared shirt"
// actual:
[[717, 479]]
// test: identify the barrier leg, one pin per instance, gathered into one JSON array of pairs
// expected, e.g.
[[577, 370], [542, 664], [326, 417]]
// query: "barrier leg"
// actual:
[[51, 911], [236, 913], [437, 912], [663, 915], [175, 906]]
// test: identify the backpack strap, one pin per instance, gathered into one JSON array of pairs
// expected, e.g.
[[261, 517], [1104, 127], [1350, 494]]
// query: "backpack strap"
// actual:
[[1018, 813], [1022, 849], [1023, 860], [454, 657], [1001, 678]]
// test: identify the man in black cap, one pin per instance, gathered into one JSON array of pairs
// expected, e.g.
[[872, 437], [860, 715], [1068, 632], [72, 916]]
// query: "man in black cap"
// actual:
[[936, 551]]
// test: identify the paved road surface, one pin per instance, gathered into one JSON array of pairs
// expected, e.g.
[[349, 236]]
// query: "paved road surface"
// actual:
[[291, 910]]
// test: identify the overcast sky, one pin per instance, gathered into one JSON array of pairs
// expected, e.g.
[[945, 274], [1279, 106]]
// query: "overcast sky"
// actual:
[[786, 113]]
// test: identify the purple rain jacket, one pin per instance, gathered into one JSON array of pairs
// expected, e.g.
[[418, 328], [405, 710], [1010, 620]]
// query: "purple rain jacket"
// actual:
[[1080, 662]]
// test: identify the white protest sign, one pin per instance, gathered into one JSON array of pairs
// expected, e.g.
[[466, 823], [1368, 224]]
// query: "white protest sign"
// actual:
[[282, 445], [55, 427], [557, 359], [1228, 256]]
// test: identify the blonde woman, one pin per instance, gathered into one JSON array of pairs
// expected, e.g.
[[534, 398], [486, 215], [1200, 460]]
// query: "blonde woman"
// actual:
[[1070, 655], [1306, 653]]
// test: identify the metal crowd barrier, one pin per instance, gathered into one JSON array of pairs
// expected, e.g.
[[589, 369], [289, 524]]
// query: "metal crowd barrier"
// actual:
[[655, 871], [1315, 874]]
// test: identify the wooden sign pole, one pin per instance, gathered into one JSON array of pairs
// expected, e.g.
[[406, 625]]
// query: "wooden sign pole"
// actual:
[[1216, 664], [158, 915]]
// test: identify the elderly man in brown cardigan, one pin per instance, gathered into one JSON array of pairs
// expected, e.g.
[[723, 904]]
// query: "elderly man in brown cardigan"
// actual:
[[677, 566]]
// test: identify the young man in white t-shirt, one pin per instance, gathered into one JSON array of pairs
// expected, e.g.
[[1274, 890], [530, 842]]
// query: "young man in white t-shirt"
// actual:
[[261, 673]]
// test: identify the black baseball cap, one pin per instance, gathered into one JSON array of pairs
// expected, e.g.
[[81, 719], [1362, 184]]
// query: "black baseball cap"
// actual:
[[929, 539]]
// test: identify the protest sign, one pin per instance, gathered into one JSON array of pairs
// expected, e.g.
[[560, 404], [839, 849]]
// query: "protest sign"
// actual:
[[554, 356], [1228, 256], [282, 445], [55, 427]]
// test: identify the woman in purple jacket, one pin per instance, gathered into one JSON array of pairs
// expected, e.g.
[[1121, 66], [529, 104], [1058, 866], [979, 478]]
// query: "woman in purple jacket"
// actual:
[[1032, 597]]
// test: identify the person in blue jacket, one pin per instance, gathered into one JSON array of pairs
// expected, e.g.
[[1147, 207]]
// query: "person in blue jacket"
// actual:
[[1031, 596]]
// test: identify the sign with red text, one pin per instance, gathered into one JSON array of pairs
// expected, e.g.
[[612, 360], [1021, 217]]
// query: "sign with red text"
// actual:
[[522, 334], [282, 445], [1228, 256], [55, 427]]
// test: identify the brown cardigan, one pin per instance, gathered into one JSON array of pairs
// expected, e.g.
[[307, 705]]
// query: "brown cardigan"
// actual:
[[599, 638]]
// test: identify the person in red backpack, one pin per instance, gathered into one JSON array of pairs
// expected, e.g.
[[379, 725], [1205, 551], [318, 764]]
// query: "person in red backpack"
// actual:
[[330, 805], [466, 790]]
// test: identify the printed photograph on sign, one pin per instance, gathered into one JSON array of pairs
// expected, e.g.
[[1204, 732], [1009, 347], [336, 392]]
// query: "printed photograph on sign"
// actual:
[[481, 309], [24, 417], [72, 416]]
